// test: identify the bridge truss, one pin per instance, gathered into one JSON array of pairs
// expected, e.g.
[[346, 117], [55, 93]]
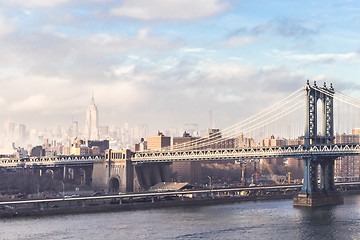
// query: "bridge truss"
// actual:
[[50, 161], [301, 151]]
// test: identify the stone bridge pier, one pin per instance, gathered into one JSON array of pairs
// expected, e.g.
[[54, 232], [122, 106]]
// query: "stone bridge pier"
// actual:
[[117, 173], [152, 173], [318, 189]]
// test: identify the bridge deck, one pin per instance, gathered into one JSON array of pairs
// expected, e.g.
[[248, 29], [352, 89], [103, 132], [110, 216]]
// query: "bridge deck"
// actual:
[[299, 151], [242, 154]]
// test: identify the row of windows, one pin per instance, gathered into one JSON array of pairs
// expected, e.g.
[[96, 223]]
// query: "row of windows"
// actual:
[[116, 156]]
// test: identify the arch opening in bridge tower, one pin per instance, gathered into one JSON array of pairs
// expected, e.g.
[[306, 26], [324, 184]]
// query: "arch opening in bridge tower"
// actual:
[[314, 96], [319, 117], [114, 185]]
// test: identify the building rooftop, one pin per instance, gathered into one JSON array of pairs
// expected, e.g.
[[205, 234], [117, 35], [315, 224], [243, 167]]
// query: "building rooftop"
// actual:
[[169, 186]]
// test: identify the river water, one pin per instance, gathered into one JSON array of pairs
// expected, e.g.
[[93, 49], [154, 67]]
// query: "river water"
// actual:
[[247, 220]]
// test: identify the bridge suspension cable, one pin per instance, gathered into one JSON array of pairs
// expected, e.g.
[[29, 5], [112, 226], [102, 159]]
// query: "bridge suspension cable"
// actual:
[[342, 97], [257, 123], [347, 115], [280, 109]]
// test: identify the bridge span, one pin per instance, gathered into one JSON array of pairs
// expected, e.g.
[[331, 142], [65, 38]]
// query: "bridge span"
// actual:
[[50, 161]]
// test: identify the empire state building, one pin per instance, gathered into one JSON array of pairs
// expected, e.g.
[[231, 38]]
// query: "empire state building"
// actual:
[[91, 131]]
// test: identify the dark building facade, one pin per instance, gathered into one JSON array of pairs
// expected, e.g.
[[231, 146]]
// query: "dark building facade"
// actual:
[[103, 145]]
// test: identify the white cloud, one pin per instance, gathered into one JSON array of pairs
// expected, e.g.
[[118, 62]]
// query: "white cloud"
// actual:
[[193, 50], [31, 103], [326, 57], [118, 43], [165, 9], [34, 3], [228, 98], [120, 71], [120, 95], [143, 33], [321, 58], [2, 101], [6, 27], [85, 58], [238, 41], [228, 71]]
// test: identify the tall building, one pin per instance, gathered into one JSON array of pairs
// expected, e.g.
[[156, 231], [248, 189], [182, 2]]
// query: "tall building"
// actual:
[[141, 146], [103, 131], [158, 142], [9, 129], [102, 145], [272, 142], [192, 128], [73, 130], [244, 142], [20, 133], [91, 131], [347, 168], [186, 171], [217, 141]]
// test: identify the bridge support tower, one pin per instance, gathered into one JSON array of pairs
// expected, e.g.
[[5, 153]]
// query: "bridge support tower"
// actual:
[[318, 190], [115, 174]]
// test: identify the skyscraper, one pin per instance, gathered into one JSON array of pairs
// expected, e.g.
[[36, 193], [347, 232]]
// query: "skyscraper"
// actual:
[[73, 130], [91, 131]]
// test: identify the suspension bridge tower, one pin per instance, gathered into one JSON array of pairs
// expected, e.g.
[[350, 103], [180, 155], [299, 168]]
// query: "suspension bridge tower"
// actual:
[[318, 189]]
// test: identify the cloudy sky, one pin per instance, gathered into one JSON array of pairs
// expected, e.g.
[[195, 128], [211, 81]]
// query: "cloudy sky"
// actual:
[[167, 62]]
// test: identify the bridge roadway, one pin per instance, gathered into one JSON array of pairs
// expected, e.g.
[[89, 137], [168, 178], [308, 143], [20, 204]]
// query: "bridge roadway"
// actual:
[[241, 154], [51, 161], [298, 151], [152, 195]]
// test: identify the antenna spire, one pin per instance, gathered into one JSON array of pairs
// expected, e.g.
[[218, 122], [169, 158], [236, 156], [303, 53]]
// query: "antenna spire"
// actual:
[[92, 98]]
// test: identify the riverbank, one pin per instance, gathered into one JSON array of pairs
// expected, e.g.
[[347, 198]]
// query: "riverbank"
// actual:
[[63, 207]]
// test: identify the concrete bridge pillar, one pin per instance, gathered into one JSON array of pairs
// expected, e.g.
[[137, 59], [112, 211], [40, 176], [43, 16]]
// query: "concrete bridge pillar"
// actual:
[[330, 182], [65, 172], [311, 195], [332, 174], [324, 177], [88, 175], [310, 184], [76, 175]]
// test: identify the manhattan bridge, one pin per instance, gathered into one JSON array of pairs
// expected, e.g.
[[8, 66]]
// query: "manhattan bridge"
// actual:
[[315, 114], [326, 112]]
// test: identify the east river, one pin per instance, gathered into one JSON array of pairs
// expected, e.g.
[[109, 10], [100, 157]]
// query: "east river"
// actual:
[[247, 220]]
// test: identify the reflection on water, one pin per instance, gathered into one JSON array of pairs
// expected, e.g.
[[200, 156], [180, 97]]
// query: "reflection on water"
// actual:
[[318, 223], [248, 220]]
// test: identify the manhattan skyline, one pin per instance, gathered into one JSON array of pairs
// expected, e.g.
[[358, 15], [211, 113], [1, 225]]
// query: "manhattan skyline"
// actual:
[[167, 63]]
